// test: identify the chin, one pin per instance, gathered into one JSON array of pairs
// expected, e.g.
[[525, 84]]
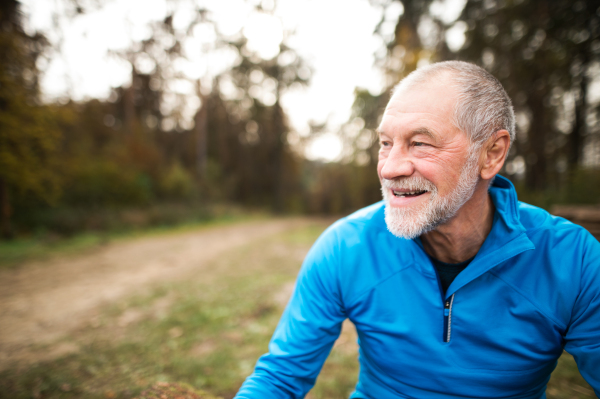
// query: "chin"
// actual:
[[408, 223]]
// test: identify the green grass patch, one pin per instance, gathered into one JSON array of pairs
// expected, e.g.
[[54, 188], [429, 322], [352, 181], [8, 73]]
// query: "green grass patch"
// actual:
[[17, 251], [207, 331], [20, 250]]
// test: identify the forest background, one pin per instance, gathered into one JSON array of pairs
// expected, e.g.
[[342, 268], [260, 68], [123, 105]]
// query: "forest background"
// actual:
[[193, 303], [150, 155]]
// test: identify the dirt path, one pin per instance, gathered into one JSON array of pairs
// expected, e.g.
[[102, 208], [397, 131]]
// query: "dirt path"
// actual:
[[41, 302]]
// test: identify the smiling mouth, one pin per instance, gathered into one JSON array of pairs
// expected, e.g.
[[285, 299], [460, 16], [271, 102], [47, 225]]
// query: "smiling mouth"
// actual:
[[408, 194]]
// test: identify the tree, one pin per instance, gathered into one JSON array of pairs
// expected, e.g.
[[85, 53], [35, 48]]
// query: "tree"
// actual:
[[240, 126], [542, 63], [28, 134]]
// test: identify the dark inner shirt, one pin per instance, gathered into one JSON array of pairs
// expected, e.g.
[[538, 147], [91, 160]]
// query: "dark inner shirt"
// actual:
[[447, 272]]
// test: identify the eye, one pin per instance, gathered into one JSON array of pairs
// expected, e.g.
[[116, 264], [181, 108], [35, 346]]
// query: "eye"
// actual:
[[385, 143], [419, 144]]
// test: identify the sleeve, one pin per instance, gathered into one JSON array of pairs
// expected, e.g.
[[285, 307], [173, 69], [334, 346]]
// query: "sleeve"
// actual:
[[306, 332], [582, 339]]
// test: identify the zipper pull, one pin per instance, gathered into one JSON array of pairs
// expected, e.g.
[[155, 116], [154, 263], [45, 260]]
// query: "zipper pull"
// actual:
[[447, 308]]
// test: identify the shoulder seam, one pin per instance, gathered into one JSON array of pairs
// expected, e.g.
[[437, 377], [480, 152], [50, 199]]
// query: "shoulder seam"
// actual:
[[572, 225], [379, 282], [518, 291]]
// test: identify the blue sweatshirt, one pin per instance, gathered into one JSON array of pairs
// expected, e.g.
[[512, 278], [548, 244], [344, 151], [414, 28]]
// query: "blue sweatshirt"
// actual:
[[532, 290]]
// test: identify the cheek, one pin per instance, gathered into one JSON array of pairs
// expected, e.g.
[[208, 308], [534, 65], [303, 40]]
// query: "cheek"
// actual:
[[442, 174], [448, 163]]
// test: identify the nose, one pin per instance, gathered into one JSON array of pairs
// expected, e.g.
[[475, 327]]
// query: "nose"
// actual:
[[397, 164]]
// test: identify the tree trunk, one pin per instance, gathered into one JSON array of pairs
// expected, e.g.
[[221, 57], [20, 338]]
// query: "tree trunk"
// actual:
[[576, 136], [129, 103], [278, 158], [201, 127], [5, 211], [535, 158]]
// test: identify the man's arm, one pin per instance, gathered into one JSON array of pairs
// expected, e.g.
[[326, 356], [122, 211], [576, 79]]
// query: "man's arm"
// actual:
[[306, 332], [583, 335]]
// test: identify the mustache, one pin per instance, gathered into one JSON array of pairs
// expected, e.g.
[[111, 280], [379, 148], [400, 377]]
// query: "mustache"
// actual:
[[414, 183]]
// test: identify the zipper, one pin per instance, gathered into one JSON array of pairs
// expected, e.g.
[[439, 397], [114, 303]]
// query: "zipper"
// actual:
[[448, 318]]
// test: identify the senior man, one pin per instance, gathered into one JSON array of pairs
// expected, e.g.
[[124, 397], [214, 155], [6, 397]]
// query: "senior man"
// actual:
[[456, 289]]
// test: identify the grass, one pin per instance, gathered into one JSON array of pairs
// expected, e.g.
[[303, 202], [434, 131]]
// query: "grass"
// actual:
[[20, 250], [207, 331]]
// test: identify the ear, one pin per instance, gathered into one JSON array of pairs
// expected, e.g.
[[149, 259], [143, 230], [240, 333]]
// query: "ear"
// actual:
[[494, 154]]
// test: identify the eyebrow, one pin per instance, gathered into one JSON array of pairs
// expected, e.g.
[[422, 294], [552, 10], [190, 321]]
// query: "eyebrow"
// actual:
[[424, 131], [421, 130]]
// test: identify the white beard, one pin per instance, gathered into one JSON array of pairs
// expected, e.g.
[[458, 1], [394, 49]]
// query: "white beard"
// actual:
[[411, 222]]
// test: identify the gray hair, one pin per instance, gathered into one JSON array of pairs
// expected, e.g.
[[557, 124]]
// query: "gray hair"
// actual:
[[482, 108]]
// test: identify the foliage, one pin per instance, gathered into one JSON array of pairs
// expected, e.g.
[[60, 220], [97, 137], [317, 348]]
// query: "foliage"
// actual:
[[28, 135], [150, 142], [102, 183], [338, 189], [582, 187], [543, 63], [169, 137], [546, 64], [176, 183]]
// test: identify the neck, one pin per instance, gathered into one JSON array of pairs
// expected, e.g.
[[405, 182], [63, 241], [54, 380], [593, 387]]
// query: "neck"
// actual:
[[460, 238]]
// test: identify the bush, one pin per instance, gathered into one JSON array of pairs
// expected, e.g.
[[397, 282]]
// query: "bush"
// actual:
[[104, 183], [581, 187], [176, 183], [584, 187]]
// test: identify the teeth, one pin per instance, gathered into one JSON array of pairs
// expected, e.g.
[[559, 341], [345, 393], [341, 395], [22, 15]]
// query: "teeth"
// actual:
[[401, 194]]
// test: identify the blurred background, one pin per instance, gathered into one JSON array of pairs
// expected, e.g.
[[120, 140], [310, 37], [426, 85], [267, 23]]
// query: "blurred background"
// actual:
[[138, 113], [165, 165]]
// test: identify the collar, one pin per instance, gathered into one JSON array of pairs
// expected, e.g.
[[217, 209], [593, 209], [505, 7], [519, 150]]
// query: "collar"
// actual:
[[507, 238]]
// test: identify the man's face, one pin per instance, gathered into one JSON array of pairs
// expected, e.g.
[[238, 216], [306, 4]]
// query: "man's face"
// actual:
[[424, 165]]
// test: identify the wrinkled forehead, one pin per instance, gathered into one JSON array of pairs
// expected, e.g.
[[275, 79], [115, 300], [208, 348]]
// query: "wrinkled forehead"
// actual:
[[434, 97]]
